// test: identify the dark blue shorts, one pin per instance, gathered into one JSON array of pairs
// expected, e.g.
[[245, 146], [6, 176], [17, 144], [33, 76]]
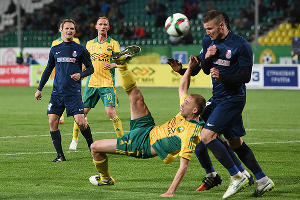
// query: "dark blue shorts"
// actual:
[[58, 103], [224, 116]]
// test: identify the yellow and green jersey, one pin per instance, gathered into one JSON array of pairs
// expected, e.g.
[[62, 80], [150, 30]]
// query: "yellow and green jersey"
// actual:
[[176, 137], [101, 54], [59, 40]]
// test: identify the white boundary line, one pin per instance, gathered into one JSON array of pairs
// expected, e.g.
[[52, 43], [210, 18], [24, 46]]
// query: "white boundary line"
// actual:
[[250, 130], [34, 153], [48, 135]]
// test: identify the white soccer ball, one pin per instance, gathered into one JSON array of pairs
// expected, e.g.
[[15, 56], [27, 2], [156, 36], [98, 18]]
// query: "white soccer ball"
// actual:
[[177, 25]]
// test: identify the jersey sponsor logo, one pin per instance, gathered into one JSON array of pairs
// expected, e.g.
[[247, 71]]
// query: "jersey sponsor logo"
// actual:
[[66, 59], [172, 126], [100, 57], [222, 62], [143, 71], [74, 54], [228, 54]]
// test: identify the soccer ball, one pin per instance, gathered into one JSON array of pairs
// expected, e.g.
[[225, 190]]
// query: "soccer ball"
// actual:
[[177, 25]]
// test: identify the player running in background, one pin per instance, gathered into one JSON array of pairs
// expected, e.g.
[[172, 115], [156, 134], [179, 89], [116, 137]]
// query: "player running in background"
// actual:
[[54, 43], [229, 59], [179, 136], [67, 58], [101, 84]]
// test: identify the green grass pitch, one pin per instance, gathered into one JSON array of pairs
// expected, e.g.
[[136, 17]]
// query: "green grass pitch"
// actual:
[[271, 117]]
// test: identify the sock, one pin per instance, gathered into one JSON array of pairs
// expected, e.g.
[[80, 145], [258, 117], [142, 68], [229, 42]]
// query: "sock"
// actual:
[[117, 123], [211, 174], [88, 136], [236, 161], [247, 157], [203, 157], [222, 155], [127, 80], [246, 173], [262, 181], [56, 139], [102, 168], [75, 131]]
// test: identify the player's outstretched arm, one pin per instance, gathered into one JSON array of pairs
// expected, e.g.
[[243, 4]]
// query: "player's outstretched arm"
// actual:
[[185, 80], [177, 67], [184, 163]]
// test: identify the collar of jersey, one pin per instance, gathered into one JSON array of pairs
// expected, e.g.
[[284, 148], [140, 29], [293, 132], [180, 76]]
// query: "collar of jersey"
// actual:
[[107, 40], [200, 122]]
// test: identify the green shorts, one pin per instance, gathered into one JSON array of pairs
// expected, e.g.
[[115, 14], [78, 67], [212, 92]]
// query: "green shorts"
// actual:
[[92, 95], [136, 142]]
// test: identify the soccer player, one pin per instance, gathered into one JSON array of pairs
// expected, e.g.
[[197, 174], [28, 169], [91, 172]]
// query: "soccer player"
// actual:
[[229, 59], [54, 43], [211, 179], [179, 136], [67, 58], [101, 84]]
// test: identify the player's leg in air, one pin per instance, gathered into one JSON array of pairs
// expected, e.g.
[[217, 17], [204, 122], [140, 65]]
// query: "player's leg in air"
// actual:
[[138, 109]]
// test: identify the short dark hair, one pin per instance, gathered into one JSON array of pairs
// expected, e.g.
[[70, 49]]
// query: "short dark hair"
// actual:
[[200, 101], [215, 14]]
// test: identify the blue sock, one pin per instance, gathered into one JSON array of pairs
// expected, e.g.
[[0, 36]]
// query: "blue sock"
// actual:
[[236, 161], [222, 155], [203, 157], [88, 136], [56, 139], [247, 157]]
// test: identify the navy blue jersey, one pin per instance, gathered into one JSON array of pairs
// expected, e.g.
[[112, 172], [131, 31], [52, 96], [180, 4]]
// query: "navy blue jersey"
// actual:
[[67, 58], [233, 53]]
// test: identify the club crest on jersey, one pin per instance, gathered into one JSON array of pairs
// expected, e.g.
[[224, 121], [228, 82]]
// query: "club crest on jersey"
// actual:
[[228, 54], [109, 48], [74, 54], [180, 129]]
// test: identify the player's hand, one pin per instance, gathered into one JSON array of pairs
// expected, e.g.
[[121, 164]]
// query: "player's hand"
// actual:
[[215, 73], [76, 77], [193, 62], [167, 194], [38, 95], [211, 51], [175, 64], [109, 66]]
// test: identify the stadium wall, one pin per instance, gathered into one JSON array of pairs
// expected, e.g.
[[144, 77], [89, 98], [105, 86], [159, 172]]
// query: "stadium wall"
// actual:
[[159, 54], [161, 75]]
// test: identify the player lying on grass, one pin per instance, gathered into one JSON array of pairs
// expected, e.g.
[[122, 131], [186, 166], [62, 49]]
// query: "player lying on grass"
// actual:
[[178, 136]]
